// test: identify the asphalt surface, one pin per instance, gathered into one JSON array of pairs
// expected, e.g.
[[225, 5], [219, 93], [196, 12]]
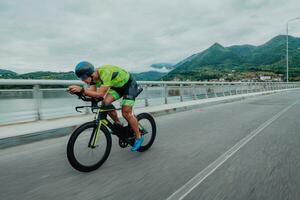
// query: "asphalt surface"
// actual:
[[267, 167]]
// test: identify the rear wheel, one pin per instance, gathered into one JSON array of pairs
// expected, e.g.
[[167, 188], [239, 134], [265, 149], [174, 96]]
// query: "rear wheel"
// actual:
[[84, 158], [147, 127]]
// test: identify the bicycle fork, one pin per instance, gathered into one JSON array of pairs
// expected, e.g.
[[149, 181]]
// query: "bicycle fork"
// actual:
[[95, 136]]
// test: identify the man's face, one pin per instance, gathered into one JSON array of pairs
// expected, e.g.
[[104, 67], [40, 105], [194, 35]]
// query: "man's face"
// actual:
[[87, 80]]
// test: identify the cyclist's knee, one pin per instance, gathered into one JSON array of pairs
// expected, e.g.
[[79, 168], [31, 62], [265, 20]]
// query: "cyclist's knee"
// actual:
[[107, 101], [127, 114]]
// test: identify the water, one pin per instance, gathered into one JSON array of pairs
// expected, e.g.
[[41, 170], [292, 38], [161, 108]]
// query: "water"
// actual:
[[18, 106]]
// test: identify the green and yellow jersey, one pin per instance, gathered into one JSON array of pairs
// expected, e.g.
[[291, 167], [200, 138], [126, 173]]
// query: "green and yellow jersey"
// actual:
[[112, 76], [120, 83]]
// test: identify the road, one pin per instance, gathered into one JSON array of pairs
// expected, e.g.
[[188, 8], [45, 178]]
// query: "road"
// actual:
[[265, 167]]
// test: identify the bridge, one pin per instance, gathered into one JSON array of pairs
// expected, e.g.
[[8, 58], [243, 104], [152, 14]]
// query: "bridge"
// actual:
[[215, 140]]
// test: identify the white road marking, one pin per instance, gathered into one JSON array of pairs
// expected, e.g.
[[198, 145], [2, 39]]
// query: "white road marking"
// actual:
[[183, 191]]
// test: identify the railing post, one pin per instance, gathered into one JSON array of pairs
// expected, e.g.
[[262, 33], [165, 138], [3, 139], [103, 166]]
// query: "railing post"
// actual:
[[206, 91], [230, 89], [223, 89], [271, 86], [214, 90], [166, 93], [180, 91], [194, 92], [265, 84], [249, 87], [260, 87], [146, 96], [242, 88], [37, 95]]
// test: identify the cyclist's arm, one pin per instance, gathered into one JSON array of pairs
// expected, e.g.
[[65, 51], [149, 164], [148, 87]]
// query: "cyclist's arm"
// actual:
[[92, 88], [97, 94], [106, 83]]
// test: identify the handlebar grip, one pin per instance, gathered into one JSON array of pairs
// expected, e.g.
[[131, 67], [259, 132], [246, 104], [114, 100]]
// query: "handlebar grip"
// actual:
[[78, 107]]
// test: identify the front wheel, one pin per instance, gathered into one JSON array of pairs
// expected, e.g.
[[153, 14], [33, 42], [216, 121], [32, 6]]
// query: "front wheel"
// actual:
[[81, 155], [147, 127]]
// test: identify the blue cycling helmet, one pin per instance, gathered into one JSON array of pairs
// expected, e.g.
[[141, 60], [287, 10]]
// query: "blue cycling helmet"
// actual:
[[84, 69]]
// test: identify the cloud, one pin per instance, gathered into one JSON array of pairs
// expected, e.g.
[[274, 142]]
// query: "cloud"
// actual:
[[55, 35]]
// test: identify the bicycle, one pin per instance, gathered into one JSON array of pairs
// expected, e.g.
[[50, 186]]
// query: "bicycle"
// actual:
[[88, 136]]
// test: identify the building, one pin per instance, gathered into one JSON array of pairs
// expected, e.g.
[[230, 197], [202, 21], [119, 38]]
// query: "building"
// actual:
[[265, 78]]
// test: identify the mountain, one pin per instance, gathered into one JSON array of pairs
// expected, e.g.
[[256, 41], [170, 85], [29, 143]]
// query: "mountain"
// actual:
[[49, 75], [217, 60], [148, 76], [7, 73], [38, 75]]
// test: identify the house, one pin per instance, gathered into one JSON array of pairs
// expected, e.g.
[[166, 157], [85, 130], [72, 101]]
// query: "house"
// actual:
[[265, 78]]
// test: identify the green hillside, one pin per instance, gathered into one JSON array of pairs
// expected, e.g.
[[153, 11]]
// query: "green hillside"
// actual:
[[7, 74], [218, 61], [148, 76]]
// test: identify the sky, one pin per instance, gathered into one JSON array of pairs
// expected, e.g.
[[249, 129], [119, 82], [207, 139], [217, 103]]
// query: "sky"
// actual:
[[54, 35]]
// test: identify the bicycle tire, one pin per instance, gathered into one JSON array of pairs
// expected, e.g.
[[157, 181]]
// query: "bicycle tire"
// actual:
[[148, 117], [70, 148]]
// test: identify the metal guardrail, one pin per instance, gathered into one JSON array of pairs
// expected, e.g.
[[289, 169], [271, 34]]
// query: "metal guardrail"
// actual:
[[168, 90]]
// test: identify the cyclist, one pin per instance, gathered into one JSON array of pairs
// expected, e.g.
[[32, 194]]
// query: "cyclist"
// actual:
[[110, 83]]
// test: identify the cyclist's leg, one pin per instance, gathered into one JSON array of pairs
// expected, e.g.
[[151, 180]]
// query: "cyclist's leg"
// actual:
[[128, 100], [110, 97], [130, 118]]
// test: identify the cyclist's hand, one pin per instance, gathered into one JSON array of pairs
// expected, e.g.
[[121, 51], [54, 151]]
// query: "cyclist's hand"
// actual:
[[74, 89]]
